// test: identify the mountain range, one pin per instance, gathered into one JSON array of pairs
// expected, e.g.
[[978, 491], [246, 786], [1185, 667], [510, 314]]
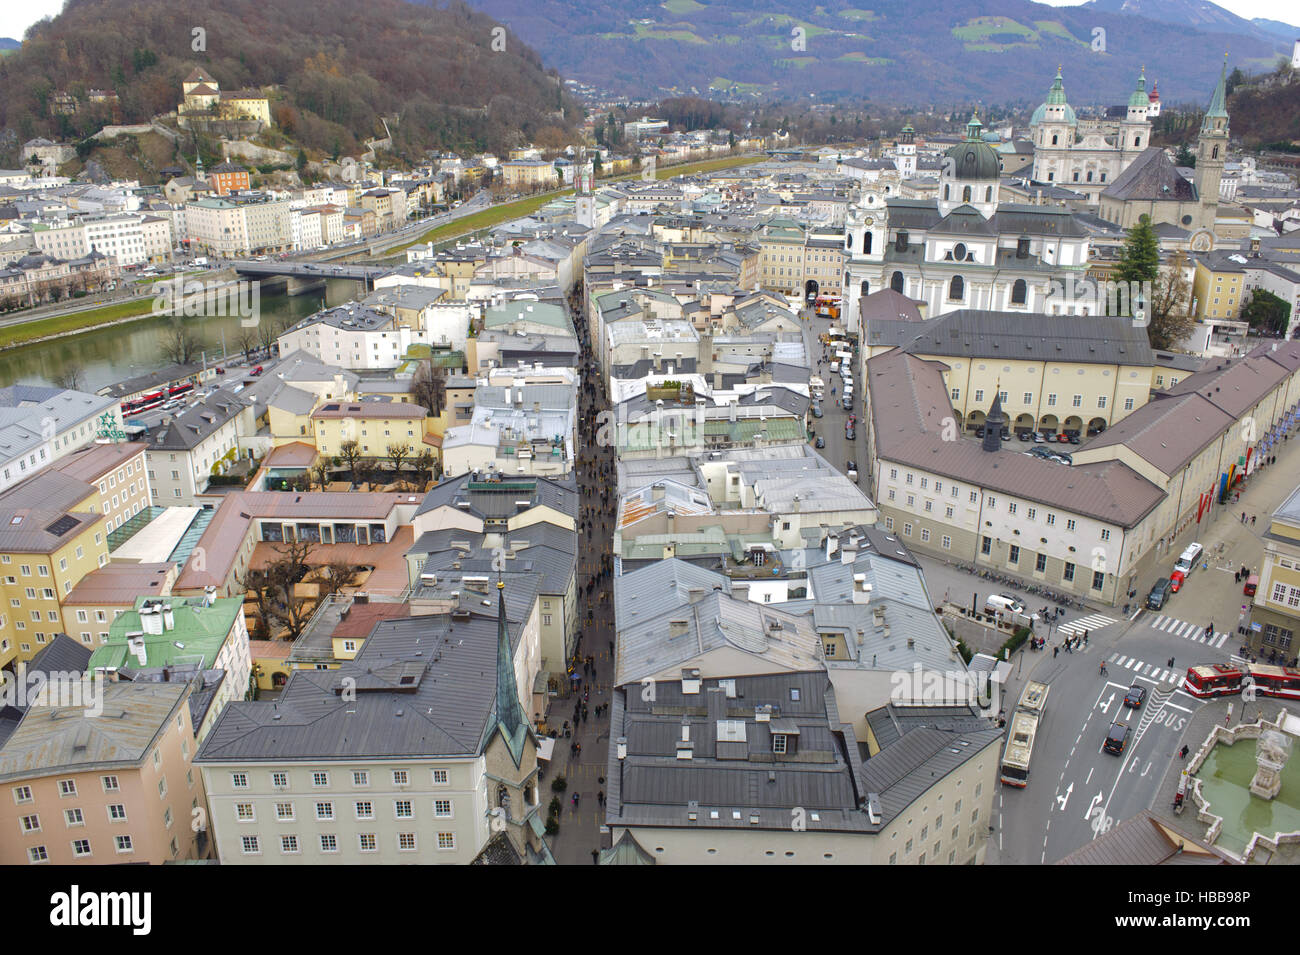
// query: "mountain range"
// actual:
[[915, 52]]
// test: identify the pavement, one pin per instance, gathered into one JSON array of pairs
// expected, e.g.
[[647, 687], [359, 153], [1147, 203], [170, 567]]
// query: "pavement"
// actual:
[[584, 771]]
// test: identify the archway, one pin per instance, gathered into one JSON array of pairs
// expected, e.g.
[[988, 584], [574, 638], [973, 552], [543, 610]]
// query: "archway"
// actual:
[[1096, 426], [811, 289], [975, 420], [1049, 422], [1073, 423], [1024, 422]]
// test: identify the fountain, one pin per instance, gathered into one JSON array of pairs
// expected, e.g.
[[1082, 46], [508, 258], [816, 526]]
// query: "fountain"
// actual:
[[1272, 750]]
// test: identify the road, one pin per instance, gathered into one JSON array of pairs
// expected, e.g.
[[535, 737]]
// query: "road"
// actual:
[[839, 450], [1076, 790]]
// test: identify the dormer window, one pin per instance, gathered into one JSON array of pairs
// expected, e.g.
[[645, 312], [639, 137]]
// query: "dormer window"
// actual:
[[778, 743]]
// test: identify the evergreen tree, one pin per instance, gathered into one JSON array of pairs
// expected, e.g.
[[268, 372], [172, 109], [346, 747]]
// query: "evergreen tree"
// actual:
[[1139, 259], [1185, 157]]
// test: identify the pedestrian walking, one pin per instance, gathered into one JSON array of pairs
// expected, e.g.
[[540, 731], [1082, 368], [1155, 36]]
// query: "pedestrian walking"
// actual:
[[1182, 753], [1170, 664], [595, 857], [1243, 517], [1085, 638], [600, 797], [1252, 520], [1055, 651], [1209, 631]]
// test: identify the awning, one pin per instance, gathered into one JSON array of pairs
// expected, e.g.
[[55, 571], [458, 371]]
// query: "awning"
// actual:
[[545, 748]]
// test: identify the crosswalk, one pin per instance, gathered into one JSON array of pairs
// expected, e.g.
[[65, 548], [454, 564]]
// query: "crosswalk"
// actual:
[[1091, 622], [1149, 670], [1188, 631]]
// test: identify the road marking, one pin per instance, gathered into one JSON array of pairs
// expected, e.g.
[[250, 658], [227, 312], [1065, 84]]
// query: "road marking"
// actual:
[[1090, 772], [1132, 663], [1062, 800]]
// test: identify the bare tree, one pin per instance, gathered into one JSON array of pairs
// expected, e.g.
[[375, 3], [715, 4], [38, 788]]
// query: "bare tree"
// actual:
[[424, 464], [429, 387], [257, 584], [71, 376], [246, 342], [399, 453], [365, 472], [289, 609], [336, 575], [321, 472], [178, 344], [350, 454]]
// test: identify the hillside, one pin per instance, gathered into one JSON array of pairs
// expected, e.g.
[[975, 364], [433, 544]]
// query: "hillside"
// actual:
[[335, 72], [901, 51], [1265, 115]]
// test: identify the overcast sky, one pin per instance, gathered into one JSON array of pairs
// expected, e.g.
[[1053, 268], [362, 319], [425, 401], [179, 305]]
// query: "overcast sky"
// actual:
[[17, 15]]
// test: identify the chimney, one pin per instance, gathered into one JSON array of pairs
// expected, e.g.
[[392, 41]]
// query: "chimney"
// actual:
[[135, 646], [209, 595], [169, 619], [151, 619]]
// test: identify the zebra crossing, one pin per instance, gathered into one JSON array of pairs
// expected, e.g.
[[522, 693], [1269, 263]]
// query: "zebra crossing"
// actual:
[[1141, 668], [1091, 622], [1188, 631]]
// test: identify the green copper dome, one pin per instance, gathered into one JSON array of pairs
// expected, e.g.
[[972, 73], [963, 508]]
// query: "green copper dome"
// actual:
[[974, 158], [1055, 97], [1140, 96]]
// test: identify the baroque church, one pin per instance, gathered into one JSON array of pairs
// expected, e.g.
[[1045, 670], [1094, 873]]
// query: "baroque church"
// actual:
[[968, 249]]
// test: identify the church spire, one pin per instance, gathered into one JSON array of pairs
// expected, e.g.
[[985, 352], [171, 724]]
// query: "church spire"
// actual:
[[509, 714], [1219, 101], [973, 127]]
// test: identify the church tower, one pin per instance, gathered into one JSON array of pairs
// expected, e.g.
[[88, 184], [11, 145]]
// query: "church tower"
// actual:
[[905, 153], [1212, 149], [1135, 130], [970, 174]]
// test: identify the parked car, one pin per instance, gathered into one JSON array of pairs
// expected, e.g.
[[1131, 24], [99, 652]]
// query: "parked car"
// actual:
[[1252, 585], [1116, 738], [850, 465], [819, 443], [1189, 558], [1063, 438], [1023, 436], [1003, 603], [849, 433], [816, 410], [1176, 580], [1038, 437], [1135, 696], [1159, 594]]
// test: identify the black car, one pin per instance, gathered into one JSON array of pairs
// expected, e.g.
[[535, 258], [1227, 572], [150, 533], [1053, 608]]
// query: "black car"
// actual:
[[1116, 738], [1136, 695], [850, 465], [1025, 436], [1159, 595], [1074, 439]]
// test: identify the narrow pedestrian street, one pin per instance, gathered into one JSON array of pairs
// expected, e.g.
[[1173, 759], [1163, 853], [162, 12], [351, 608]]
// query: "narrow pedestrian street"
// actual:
[[583, 718]]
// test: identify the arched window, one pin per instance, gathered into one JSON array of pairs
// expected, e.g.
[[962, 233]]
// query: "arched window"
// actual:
[[965, 194], [866, 243], [1137, 142], [988, 193], [866, 288], [1019, 292], [1053, 139], [1090, 175], [901, 243], [956, 289], [1215, 153], [945, 192], [896, 282]]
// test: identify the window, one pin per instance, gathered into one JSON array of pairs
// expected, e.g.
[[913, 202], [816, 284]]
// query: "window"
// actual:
[[320, 779], [1019, 292], [986, 545], [109, 783], [956, 289], [284, 811], [289, 845], [1051, 401], [925, 535], [250, 845], [1029, 398], [402, 809], [446, 840], [1069, 524], [406, 842], [991, 501], [32, 823], [73, 817], [1077, 401], [946, 542], [1068, 574], [123, 843], [38, 854], [239, 780], [279, 780], [1014, 556], [360, 778], [907, 530], [325, 810], [1101, 401], [1051, 519], [117, 813], [162, 787], [81, 848], [366, 841], [1098, 579], [974, 496], [22, 794], [329, 843], [1011, 507], [244, 811], [399, 777], [979, 395], [67, 787], [1040, 563], [1105, 534]]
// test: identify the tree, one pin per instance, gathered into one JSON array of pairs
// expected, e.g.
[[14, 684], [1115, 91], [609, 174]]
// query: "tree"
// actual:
[[178, 344], [336, 575], [71, 376], [246, 341], [287, 608], [321, 472], [425, 462], [1139, 258], [365, 472], [1169, 319], [257, 585], [1266, 312], [399, 453], [429, 387], [1185, 156], [350, 454]]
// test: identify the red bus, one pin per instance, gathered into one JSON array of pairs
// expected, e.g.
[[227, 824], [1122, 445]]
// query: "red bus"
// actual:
[[181, 389], [1218, 679], [1276, 681], [144, 403]]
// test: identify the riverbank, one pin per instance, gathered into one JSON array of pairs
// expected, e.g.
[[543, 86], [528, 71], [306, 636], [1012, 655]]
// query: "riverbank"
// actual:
[[46, 329]]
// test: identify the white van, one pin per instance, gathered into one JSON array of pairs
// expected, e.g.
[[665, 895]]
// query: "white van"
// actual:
[[1003, 603], [1189, 558]]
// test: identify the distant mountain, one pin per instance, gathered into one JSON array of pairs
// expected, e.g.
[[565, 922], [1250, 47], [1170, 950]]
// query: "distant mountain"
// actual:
[[335, 75], [9, 43], [899, 51], [1200, 14]]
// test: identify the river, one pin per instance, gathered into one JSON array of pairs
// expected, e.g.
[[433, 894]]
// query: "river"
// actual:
[[109, 355]]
